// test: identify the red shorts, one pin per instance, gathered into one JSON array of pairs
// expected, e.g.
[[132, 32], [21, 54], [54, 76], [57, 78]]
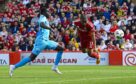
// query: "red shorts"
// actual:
[[86, 41], [87, 44]]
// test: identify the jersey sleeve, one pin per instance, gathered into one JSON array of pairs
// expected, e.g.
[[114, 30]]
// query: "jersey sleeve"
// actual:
[[76, 22], [43, 19]]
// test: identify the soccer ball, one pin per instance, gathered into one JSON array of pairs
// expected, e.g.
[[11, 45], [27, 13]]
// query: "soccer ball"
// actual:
[[119, 33]]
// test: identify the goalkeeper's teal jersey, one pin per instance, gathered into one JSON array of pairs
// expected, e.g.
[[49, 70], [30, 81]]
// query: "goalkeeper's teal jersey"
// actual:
[[42, 41], [43, 33]]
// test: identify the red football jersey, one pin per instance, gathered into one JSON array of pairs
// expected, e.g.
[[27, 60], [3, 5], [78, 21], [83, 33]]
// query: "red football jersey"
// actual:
[[85, 36]]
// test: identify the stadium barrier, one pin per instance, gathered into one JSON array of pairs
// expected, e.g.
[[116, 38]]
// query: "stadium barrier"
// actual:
[[126, 58], [68, 58], [129, 58], [4, 59], [14, 57], [115, 57]]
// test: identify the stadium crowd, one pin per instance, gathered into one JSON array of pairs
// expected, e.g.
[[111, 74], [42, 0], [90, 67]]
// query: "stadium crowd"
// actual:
[[18, 24]]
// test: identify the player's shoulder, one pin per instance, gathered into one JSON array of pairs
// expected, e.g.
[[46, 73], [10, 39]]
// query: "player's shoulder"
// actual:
[[43, 18]]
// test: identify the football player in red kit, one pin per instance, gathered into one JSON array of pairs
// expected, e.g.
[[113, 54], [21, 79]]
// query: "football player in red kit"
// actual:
[[86, 33]]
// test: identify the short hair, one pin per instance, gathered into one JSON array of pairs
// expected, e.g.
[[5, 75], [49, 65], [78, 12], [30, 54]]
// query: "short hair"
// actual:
[[44, 12]]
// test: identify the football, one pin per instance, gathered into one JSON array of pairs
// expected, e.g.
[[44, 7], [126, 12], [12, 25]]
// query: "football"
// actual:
[[119, 33]]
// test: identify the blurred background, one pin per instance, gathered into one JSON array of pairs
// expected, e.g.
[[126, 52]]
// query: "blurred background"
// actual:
[[18, 23]]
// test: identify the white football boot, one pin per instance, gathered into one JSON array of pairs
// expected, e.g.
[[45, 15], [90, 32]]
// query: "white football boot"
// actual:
[[56, 70]]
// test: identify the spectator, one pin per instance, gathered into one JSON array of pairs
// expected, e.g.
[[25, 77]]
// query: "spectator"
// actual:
[[66, 38], [107, 14], [21, 27], [17, 37], [0, 27], [22, 44], [15, 48], [1, 43], [30, 45], [5, 18], [70, 46], [100, 25], [5, 49], [114, 27], [75, 44], [129, 26], [35, 19], [32, 33], [110, 46], [4, 32], [107, 26], [128, 45], [14, 28], [65, 23], [127, 35], [24, 32], [56, 20], [56, 34], [134, 48], [25, 2], [103, 46], [104, 36], [132, 40], [95, 21], [132, 29]]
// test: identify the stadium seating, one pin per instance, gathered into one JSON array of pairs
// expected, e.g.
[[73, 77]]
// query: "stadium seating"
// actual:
[[18, 24]]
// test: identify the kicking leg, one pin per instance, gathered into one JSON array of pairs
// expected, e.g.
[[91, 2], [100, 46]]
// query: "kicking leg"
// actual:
[[40, 45], [25, 61], [94, 54], [21, 63]]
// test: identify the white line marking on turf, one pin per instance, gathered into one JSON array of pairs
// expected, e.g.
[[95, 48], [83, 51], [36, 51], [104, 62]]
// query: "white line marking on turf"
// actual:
[[83, 79], [99, 71]]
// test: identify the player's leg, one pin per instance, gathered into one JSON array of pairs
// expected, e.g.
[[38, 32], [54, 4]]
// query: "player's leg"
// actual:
[[38, 47], [59, 48], [25, 60], [21, 63], [94, 54], [83, 45], [97, 56]]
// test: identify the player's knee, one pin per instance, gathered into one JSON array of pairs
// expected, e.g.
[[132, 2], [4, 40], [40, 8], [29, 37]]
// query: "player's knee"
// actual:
[[60, 48], [89, 54], [32, 57]]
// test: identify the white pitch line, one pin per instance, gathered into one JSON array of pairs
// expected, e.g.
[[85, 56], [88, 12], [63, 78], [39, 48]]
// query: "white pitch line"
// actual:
[[76, 80], [99, 71]]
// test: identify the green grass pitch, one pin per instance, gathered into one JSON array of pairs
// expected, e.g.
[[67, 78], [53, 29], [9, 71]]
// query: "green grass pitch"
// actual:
[[71, 75]]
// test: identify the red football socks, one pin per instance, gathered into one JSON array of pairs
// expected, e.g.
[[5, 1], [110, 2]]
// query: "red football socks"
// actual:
[[95, 55]]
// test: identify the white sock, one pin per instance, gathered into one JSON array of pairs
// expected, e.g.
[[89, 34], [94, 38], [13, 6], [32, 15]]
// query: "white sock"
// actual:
[[55, 66]]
